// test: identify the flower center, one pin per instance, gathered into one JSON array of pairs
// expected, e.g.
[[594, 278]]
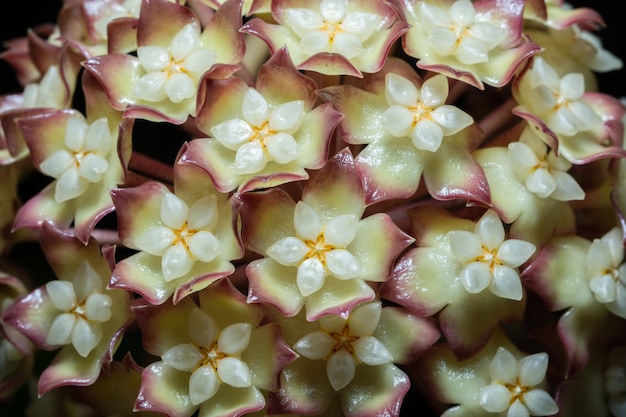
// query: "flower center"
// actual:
[[517, 391], [318, 248], [344, 340]]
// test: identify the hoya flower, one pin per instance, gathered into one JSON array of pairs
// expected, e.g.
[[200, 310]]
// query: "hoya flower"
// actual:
[[86, 157], [608, 272], [530, 186], [460, 270], [514, 386], [409, 132], [265, 135], [476, 42], [498, 379], [573, 122], [76, 313], [220, 359], [422, 114], [347, 364], [161, 82], [318, 252], [332, 37], [542, 171], [490, 261], [185, 239], [577, 278]]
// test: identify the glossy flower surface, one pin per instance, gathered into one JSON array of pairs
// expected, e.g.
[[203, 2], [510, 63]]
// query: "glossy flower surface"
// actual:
[[331, 36], [185, 240], [221, 360], [319, 251]]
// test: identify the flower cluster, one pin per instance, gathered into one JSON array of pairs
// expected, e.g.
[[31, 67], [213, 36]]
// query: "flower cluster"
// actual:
[[327, 207]]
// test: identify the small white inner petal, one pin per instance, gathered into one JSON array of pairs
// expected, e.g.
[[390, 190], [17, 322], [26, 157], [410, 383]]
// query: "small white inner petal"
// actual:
[[234, 338], [75, 132], [506, 283], [603, 288], [155, 240], [283, 148], [150, 87], [427, 135], [174, 211], [532, 369], [203, 213], [98, 307], [86, 281], [185, 42], [540, 403], [397, 120], [184, 357], [176, 262], [61, 294], [475, 277], [495, 398], [465, 245], [515, 252], [503, 367], [69, 185], [203, 384], [371, 351], [61, 329], [341, 230], [153, 58], [179, 87], [399, 90], [287, 117], [93, 167], [288, 251], [86, 336], [232, 133], [333, 10], [490, 229], [306, 221], [361, 24], [310, 276], [255, 109], [364, 319], [202, 328], [434, 91], [199, 61], [342, 264], [98, 137], [315, 345], [462, 12], [204, 246], [57, 163], [518, 409], [347, 44], [250, 158], [303, 20], [451, 119], [340, 368], [234, 372], [541, 182]]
